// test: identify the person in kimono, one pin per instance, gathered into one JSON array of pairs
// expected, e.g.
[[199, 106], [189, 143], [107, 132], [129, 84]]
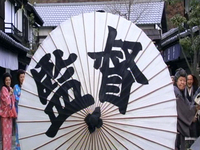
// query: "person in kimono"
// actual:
[[17, 93], [185, 111], [7, 111], [191, 88]]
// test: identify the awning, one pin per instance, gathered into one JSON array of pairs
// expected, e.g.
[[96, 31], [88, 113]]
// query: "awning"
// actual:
[[8, 59], [11, 44], [172, 53], [153, 34]]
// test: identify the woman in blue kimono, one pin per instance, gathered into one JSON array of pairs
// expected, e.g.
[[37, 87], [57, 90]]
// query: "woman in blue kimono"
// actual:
[[17, 93]]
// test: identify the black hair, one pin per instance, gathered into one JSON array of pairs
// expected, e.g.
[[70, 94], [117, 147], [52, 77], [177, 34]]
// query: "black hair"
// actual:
[[180, 73], [5, 75], [19, 72]]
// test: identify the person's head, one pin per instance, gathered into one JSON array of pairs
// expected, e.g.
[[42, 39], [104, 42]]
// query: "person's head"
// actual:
[[20, 76], [180, 79], [190, 80], [7, 79]]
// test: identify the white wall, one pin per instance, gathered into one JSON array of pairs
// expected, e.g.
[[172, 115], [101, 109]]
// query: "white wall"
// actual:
[[12, 17], [18, 20], [9, 15], [43, 32]]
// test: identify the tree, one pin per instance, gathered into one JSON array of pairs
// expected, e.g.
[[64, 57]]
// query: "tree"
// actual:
[[124, 8], [190, 25]]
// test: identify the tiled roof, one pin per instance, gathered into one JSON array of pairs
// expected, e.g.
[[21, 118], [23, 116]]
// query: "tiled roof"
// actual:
[[142, 13]]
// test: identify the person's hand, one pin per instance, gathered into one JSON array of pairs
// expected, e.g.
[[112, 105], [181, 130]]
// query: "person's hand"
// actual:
[[197, 107], [11, 91], [194, 119]]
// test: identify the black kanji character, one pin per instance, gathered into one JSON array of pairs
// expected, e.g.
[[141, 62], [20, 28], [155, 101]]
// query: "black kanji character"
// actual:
[[123, 73]]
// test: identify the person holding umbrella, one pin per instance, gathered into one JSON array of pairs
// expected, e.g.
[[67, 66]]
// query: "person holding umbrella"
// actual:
[[185, 111]]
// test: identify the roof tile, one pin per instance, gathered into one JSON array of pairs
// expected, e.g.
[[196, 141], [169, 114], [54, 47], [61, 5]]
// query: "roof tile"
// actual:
[[142, 13]]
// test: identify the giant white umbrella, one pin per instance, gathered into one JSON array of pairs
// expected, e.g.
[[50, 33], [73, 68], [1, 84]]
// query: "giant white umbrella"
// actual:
[[97, 82]]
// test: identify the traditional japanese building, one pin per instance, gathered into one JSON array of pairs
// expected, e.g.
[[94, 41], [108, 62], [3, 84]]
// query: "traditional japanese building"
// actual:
[[16, 34], [150, 16], [171, 49]]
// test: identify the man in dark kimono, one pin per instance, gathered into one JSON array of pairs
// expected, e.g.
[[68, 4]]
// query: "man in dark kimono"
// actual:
[[190, 89], [186, 112]]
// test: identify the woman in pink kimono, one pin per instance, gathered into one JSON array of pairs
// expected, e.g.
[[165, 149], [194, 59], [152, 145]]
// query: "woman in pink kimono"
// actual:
[[7, 103]]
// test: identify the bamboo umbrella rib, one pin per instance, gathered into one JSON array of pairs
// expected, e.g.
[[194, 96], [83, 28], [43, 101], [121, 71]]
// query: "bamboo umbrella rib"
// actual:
[[95, 141], [85, 133], [143, 117], [94, 75], [151, 78], [92, 144], [150, 105], [86, 48], [99, 140], [62, 74], [81, 64], [107, 130], [108, 108], [142, 70], [131, 101], [118, 131], [38, 134], [114, 127], [168, 84], [92, 140], [103, 104], [143, 127], [105, 137], [69, 52], [108, 112], [96, 95], [54, 140], [150, 42], [81, 135], [66, 67], [166, 101], [42, 121], [103, 142], [151, 62], [46, 86], [56, 66], [82, 115], [50, 59], [33, 121], [82, 111], [85, 139]]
